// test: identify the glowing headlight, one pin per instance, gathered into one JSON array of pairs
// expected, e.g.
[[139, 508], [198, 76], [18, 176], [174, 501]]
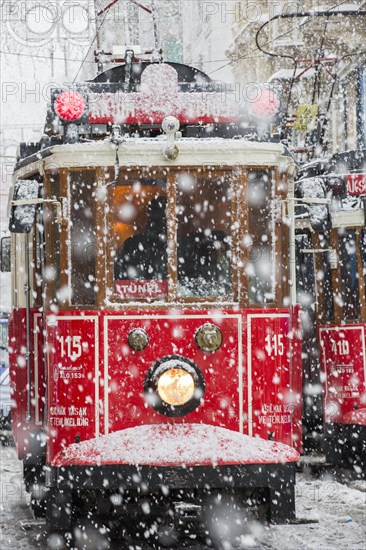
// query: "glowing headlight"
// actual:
[[209, 338], [174, 386], [138, 339]]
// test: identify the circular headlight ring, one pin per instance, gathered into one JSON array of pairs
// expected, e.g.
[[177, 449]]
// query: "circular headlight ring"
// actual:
[[151, 385], [138, 339], [206, 332]]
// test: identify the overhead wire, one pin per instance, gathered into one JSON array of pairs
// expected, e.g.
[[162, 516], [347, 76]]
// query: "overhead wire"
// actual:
[[42, 56], [92, 62], [237, 58]]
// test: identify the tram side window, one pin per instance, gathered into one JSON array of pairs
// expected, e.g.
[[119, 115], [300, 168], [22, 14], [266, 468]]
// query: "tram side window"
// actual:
[[349, 275], [51, 238], [82, 236], [138, 211], [204, 217], [261, 267]]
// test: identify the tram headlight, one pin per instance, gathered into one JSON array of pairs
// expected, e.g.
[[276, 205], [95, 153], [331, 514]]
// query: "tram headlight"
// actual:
[[209, 338], [138, 339], [174, 386]]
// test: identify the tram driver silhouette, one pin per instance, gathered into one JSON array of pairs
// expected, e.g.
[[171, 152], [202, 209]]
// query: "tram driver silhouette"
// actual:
[[144, 256]]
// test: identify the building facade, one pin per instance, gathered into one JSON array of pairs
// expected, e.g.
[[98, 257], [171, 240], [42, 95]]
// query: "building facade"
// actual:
[[316, 63]]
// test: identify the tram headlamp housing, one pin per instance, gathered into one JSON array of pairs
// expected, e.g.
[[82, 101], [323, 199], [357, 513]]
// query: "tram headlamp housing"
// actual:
[[70, 105], [174, 386], [138, 339], [209, 338]]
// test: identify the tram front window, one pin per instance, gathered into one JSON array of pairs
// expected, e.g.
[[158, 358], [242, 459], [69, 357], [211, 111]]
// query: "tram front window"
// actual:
[[140, 238], [261, 267], [204, 217]]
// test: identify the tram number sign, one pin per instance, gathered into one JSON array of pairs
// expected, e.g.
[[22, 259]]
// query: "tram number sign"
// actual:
[[274, 345], [71, 347], [344, 365], [341, 347]]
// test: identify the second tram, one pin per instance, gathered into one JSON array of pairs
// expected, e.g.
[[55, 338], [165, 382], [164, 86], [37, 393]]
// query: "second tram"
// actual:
[[331, 277]]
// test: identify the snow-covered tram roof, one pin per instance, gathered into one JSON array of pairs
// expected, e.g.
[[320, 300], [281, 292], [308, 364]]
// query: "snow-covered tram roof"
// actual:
[[147, 152]]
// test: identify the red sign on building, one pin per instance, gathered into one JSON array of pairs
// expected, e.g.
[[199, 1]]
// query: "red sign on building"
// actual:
[[356, 184]]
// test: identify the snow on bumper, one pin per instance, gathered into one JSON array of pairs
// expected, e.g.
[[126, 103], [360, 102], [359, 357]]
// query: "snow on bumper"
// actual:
[[357, 416], [175, 445]]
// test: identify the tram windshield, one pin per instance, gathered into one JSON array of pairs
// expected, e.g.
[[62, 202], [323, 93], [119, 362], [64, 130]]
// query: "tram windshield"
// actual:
[[200, 223], [140, 237], [204, 216]]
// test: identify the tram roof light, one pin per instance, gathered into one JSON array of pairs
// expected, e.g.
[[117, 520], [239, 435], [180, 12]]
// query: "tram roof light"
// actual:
[[170, 125], [69, 105], [265, 104]]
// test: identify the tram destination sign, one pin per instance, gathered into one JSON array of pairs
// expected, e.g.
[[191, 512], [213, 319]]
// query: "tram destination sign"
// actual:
[[356, 184]]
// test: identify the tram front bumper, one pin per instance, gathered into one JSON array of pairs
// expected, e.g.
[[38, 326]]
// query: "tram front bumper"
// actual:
[[161, 458], [175, 455]]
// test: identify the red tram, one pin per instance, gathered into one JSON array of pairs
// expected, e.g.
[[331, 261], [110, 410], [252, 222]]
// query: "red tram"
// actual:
[[331, 264], [155, 348]]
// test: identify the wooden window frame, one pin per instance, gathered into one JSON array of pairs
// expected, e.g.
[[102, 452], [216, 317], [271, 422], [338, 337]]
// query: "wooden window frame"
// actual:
[[337, 277], [280, 234], [171, 193]]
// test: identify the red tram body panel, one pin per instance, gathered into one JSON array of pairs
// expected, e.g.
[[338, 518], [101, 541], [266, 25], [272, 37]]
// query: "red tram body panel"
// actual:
[[344, 364], [332, 256], [259, 398], [17, 362]]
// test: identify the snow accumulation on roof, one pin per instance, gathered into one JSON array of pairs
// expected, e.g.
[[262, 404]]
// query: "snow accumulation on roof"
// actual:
[[314, 187], [181, 445], [288, 74]]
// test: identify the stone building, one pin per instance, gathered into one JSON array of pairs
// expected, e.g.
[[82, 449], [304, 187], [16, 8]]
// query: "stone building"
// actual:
[[335, 84]]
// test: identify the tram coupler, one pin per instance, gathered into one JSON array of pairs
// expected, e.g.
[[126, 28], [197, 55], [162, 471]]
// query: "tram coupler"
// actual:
[[185, 512]]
